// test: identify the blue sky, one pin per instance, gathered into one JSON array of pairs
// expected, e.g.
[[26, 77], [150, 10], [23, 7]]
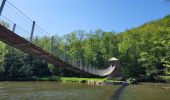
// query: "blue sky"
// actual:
[[64, 16]]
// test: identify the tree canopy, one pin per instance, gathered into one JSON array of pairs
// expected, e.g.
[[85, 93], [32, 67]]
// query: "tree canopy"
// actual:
[[144, 50]]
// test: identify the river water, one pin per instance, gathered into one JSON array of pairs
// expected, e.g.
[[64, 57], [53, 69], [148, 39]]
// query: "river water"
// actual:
[[74, 91]]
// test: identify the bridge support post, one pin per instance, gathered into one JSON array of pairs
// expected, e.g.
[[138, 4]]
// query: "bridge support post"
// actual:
[[90, 69], [36, 40], [64, 56], [13, 29], [80, 63], [73, 62], [2, 6], [52, 42], [32, 31]]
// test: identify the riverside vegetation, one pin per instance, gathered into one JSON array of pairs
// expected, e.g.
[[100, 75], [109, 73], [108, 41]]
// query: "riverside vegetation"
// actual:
[[143, 51]]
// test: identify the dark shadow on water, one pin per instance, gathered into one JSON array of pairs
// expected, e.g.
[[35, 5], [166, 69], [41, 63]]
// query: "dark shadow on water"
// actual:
[[117, 94]]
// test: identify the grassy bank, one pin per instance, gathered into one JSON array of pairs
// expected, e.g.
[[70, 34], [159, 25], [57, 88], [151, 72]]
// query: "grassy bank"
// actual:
[[81, 80], [66, 80]]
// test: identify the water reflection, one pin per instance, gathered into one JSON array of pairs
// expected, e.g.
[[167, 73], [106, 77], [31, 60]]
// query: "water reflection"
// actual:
[[117, 93], [60, 91]]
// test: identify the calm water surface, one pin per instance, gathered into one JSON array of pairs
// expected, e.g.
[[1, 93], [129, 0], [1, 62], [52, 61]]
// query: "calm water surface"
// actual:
[[60, 91]]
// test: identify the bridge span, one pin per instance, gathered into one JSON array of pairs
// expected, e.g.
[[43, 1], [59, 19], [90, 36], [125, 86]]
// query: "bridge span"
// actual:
[[16, 40], [11, 38]]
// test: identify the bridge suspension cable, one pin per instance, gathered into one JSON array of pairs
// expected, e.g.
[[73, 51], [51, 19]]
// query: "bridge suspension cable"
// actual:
[[20, 14], [20, 11], [9, 21]]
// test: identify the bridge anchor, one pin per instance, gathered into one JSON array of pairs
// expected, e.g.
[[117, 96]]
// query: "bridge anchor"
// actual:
[[116, 73]]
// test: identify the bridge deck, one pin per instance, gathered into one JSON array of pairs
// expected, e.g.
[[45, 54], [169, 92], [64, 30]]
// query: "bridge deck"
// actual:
[[20, 43]]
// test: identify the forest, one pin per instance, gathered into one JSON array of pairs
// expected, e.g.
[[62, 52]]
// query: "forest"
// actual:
[[142, 51]]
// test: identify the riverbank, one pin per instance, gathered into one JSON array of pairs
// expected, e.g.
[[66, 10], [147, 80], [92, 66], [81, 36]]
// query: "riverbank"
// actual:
[[90, 81], [93, 81]]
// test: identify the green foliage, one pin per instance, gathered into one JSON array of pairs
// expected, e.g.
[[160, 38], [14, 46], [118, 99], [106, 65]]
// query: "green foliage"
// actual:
[[2, 54], [14, 63], [144, 50], [147, 47]]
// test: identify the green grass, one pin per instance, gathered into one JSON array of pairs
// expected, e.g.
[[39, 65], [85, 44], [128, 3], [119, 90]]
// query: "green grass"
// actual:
[[74, 79], [168, 73], [94, 81], [164, 78], [64, 79]]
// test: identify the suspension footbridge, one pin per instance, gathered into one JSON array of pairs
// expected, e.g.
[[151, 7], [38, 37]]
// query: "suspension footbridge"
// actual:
[[14, 38]]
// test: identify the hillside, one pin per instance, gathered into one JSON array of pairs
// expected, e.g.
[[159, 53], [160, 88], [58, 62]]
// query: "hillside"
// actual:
[[146, 48]]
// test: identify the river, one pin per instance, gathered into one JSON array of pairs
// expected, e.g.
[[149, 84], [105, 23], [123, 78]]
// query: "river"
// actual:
[[74, 91]]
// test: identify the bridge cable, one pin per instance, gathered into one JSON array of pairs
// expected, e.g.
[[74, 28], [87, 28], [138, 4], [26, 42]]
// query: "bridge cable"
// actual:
[[14, 23], [7, 19], [41, 29], [21, 16], [20, 11], [26, 17]]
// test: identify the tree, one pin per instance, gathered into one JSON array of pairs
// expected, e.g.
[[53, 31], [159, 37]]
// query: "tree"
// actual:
[[2, 54]]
